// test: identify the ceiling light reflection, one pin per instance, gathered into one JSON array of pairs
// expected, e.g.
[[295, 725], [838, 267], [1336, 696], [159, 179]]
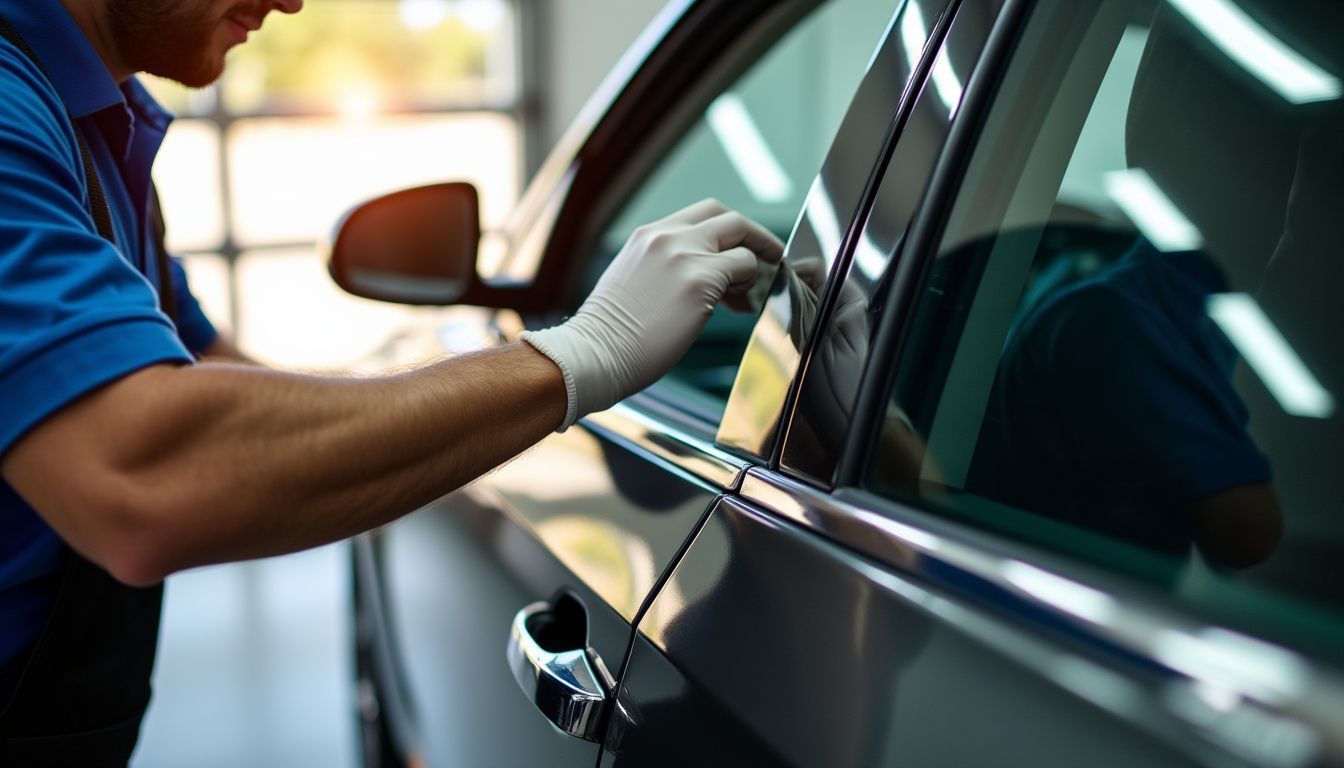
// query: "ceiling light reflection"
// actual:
[[1266, 57], [914, 34], [820, 213], [870, 259], [946, 83], [1065, 594], [1152, 211], [1270, 355], [1232, 662], [747, 150]]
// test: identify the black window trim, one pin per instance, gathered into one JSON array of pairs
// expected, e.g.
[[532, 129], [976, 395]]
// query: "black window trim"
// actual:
[[920, 248], [905, 104]]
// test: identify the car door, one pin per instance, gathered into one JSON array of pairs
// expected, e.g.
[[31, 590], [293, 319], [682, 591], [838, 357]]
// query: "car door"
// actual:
[[580, 529], [886, 589]]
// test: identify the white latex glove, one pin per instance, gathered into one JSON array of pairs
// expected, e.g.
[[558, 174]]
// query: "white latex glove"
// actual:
[[652, 302], [839, 357]]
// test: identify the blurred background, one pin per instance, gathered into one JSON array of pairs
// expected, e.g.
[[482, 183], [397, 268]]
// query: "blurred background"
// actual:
[[345, 101]]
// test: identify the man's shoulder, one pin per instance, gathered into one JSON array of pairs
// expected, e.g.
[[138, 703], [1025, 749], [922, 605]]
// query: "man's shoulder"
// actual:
[[19, 73], [32, 115], [23, 85]]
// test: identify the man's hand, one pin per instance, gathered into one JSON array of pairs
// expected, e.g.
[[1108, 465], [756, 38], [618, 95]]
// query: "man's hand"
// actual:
[[652, 302]]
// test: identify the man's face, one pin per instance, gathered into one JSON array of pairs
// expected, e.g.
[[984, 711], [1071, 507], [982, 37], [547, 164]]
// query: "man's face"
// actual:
[[185, 40]]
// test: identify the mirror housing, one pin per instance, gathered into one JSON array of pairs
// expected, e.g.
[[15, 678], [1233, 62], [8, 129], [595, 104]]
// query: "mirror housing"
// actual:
[[419, 246], [415, 246]]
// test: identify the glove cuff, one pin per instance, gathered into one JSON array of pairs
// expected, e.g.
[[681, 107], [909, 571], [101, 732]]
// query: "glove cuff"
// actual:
[[541, 341]]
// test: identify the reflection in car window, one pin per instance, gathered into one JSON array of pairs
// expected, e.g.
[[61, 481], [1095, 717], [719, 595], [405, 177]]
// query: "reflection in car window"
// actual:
[[757, 147], [1128, 342]]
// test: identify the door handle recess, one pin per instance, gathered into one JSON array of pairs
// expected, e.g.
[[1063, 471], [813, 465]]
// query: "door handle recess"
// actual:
[[549, 657]]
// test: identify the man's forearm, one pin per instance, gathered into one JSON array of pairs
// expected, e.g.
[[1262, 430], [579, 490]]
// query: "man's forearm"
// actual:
[[170, 467], [214, 462]]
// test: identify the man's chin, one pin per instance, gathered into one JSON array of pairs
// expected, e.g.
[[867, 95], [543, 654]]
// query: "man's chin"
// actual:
[[200, 75]]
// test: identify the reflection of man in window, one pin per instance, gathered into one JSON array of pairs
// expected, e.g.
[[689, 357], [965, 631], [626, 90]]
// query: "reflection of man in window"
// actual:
[[1114, 409]]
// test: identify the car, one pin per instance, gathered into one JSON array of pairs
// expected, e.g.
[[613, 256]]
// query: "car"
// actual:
[[1030, 457]]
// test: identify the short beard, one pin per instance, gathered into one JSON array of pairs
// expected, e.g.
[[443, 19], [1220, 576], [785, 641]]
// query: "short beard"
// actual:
[[169, 38]]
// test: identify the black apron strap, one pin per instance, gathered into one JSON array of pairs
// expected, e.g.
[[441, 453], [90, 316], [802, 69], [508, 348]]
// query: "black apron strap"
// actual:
[[84, 686], [102, 214], [167, 292]]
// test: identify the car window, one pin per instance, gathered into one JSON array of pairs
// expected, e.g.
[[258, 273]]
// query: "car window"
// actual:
[[1127, 344], [756, 148]]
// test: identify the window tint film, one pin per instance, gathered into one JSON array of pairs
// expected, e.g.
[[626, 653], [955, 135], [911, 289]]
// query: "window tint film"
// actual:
[[1128, 345], [757, 147]]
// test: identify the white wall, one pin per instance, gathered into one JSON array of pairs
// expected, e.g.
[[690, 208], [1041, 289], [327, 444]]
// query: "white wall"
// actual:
[[581, 41]]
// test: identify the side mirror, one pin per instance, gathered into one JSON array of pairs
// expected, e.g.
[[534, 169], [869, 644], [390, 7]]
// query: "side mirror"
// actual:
[[416, 246]]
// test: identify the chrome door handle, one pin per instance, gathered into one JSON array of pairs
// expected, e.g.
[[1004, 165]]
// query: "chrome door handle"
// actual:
[[570, 685]]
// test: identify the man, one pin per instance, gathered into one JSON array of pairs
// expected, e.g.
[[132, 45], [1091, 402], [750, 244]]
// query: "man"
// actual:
[[123, 461]]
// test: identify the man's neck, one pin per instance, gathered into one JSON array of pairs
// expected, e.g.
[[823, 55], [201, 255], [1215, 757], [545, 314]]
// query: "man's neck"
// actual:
[[91, 16]]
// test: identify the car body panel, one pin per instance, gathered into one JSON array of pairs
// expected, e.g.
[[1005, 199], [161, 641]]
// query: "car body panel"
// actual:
[[454, 574], [611, 512], [1103, 638], [835, 662]]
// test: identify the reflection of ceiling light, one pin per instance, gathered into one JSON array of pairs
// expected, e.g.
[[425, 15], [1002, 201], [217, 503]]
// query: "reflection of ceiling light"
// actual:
[[914, 34], [1268, 58], [747, 150], [1152, 211], [422, 14], [870, 259], [946, 83], [1065, 594], [820, 212], [1270, 356], [1230, 661]]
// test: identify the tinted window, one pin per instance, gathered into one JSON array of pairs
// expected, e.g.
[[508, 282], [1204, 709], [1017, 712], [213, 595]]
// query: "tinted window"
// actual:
[[757, 147], [1128, 343]]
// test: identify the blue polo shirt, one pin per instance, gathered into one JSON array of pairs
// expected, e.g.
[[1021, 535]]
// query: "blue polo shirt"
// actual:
[[76, 312], [1114, 406]]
